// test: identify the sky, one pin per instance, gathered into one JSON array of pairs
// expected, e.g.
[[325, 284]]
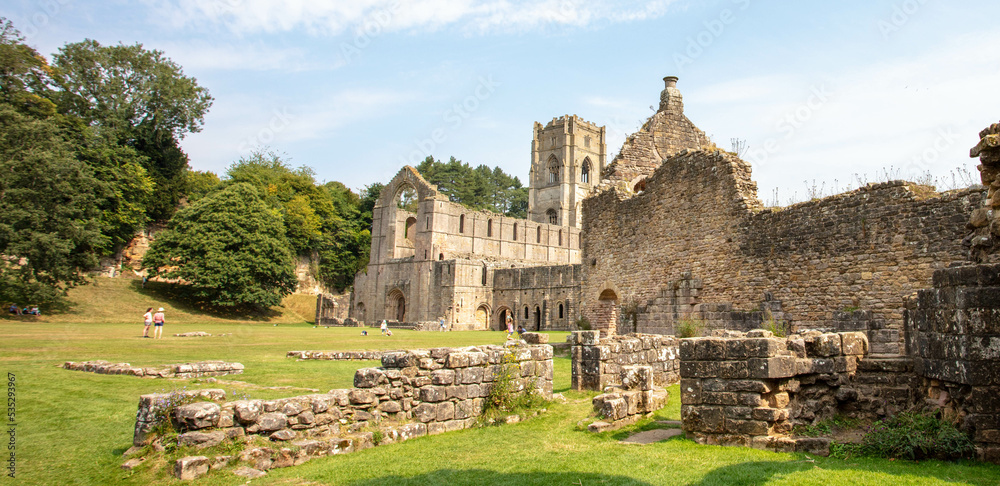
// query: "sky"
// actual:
[[825, 95]]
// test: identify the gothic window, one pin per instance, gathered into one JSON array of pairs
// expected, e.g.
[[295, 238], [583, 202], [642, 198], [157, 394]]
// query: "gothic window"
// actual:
[[525, 312], [553, 216], [560, 310], [553, 170], [585, 172]]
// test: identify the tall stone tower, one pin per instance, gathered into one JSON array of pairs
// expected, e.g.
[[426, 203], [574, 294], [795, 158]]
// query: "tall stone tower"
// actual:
[[567, 157]]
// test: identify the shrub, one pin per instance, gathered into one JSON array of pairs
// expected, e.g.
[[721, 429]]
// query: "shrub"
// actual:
[[689, 328], [507, 394], [777, 327], [583, 324], [913, 436]]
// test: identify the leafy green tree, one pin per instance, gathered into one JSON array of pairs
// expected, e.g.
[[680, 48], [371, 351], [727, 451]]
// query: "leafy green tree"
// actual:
[[50, 220], [477, 188], [141, 99], [199, 184], [25, 76], [229, 248], [346, 249]]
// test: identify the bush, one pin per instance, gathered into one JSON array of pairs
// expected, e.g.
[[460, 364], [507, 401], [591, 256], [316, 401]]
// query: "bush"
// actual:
[[689, 328], [913, 436], [507, 394], [583, 324]]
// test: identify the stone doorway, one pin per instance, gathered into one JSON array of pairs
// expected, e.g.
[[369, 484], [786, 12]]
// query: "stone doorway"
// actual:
[[538, 319], [395, 306], [606, 314], [482, 317], [500, 324]]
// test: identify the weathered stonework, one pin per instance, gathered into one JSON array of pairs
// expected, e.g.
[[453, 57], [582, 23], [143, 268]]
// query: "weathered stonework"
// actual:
[[751, 389], [443, 261], [985, 221], [634, 397], [183, 370], [414, 393], [598, 362], [337, 355], [332, 310]]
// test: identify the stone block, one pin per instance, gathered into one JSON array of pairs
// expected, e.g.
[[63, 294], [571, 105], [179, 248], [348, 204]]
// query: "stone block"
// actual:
[[781, 367], [390, 406], [746, 427], [361, 396], [283, 435], [691, 392], [535, 338], [247, 411], [770, 414], [823, 345], [425, 412], [709, 349], [270, 422], [739, 413], [854, 343], [703, 419], [191, 467], [201, 440], [653, 400], [432, 394], [445, 411], [470, 375], [637, 378], [195, 416], [443, 377], [369, 378]]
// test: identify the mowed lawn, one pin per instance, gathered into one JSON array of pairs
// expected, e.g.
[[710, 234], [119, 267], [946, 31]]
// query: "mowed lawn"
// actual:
[[72, 427]]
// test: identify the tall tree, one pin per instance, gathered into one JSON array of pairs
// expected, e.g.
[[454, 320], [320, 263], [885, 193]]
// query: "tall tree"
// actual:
[[50, 222], [141, 99], [229, 248]]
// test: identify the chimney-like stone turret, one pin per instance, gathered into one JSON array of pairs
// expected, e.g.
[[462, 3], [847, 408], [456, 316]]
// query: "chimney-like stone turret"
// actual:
[[670, 98]]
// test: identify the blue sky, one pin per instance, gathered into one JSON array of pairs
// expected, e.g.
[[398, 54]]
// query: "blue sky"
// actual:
[[354, 89]]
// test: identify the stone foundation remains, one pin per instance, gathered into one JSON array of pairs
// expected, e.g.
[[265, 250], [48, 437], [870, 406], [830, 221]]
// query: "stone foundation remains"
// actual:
[[338, 355], [184, 370], [751, 389], [598, 362], [414, 393], [626, 403]]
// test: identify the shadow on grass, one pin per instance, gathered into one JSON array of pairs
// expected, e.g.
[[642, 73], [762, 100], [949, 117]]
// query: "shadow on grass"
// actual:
[[762, 472], [482, 476], [182, 298]]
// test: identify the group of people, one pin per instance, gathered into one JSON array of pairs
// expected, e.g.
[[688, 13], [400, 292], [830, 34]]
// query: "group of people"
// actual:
[[387, 332], [153, 319], [510, 328], [25, 311]]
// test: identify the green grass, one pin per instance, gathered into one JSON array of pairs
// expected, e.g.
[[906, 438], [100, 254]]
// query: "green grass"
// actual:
[[73, 426]]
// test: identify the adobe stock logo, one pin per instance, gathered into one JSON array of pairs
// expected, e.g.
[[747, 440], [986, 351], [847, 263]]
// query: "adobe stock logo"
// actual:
[[714, 29]]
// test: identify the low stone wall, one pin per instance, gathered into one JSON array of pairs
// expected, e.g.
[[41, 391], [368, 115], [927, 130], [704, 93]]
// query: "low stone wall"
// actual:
[[183, 370], [598, 362], [634, 398], [338, 355], [954, 336], [751, 389], [414, 393]]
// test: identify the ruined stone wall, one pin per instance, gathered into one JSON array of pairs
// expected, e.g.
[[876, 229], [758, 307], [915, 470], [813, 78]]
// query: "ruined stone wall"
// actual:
[[699, 219], [598, 362], [954, 337], [752, 389], [414, 393], [439, 261], [541, 298]]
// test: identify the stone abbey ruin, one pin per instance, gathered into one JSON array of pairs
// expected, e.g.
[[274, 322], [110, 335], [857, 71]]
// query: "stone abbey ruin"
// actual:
[[890, 294]]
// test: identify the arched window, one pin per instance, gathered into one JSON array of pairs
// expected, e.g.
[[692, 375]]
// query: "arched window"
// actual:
[[553, 170], [440, 256], [525, 312], [461, 223], [538, 234], [560, 237], [585, 172], [489, 228], [553, 216], [515, 232], [484, 274], [408, 231], [560, 310]]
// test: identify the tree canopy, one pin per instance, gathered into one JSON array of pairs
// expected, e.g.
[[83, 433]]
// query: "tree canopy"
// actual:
[[229, 248], [477, 188]]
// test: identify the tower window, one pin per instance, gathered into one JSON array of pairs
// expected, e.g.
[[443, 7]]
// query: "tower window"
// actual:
[[585, 172], [515, 231], [553, 216], [560, 237], [489, 228], [461, 224], [553, 175]]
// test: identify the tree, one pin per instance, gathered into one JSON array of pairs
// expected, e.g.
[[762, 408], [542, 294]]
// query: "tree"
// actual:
[[229, 248], [50, 222], [141, 99], [25, 76], [477, 188]]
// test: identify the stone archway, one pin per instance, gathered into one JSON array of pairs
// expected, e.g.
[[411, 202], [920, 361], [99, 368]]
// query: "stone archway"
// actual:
[[359, 311], [500, 318], [395, 306], [606, 313], [482, 317]]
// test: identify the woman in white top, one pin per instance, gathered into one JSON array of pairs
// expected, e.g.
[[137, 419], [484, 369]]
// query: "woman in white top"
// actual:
[[147, 319]]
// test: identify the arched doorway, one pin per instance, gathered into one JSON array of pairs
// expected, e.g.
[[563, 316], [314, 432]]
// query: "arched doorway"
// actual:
[[538, 319], [359, 312], [482, 317], [500, 322], [395, 306], [606, 315]]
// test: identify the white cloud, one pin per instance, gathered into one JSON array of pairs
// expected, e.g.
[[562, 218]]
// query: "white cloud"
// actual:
[[334, 17], [249, 56]]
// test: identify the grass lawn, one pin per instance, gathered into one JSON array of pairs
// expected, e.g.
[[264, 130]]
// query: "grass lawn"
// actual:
[[72, 427]]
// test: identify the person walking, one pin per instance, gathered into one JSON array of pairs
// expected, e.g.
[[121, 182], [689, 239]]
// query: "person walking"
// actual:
[[510, 326], [147, 319], [443, 327], [384, 327], [158, 320]]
